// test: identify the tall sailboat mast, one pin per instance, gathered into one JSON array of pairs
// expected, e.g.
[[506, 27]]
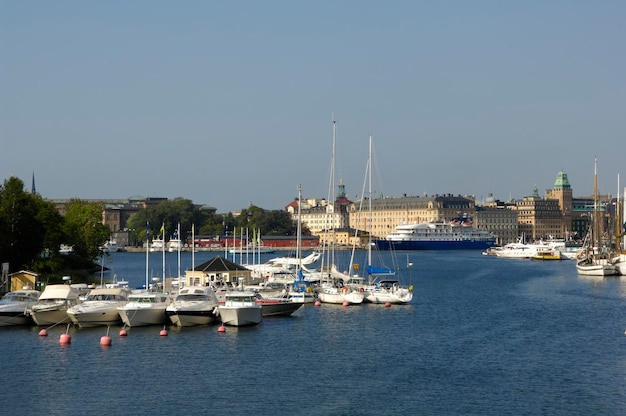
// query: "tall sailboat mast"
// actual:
[[369, 207], [299, 234], [147, 251]]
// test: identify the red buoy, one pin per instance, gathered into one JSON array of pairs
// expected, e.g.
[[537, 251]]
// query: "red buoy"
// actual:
[[163, 332], [387, 304], [345, 303], [221, 328], [105, 341], [43, 333], [318, 303], [65, 339], [123, 332]]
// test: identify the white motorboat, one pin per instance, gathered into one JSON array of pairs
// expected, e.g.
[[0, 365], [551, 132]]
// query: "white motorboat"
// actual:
[[52, 306], [240, 309], [100, 307], [174, 245], [193, 305], [520, 250], [157, 245], [277, 305], [14, 306], [144, 308], [110, 246]]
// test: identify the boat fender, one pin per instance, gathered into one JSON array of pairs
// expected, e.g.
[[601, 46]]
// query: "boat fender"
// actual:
[[344, 290], [361, 290], [411, 288]]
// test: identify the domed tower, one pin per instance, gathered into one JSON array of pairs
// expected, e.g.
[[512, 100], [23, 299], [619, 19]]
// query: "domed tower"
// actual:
[[562, 192]]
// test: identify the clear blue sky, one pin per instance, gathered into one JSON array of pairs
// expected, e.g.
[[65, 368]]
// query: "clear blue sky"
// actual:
[[230, 103]]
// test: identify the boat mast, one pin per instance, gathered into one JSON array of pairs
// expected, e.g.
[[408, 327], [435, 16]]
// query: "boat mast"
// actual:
[[369, 209], [299, 234], [163, 254], [147, 250], [179, 242], [193, 249], [596, 223]]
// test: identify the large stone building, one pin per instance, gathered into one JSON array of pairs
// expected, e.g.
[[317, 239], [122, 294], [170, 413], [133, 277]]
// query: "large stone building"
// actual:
[[387, 213], [320, 215], [539, 218]]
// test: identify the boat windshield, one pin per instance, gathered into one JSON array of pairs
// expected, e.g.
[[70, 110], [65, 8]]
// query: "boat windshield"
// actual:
[[193, 298]]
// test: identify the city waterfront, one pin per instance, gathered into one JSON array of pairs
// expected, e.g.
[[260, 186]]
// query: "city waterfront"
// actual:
[[482, 336]]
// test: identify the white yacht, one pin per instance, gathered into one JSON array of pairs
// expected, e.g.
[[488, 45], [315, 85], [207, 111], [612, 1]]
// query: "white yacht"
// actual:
[[144, 308], [52, 306], [13, 307], [110, 246], [193, 305], [330, 292], [240, 309], [388, 291], [99, 307]]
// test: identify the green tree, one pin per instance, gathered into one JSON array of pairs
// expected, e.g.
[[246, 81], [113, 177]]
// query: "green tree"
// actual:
[[21, 230], [84, 229], [168, 214]]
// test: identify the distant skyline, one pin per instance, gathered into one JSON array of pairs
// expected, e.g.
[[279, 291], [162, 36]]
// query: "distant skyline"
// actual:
[[230, 103]]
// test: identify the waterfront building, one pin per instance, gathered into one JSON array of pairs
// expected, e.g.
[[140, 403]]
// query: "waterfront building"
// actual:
[[319, 215], [387, 213], [498, 218], [539, 218]]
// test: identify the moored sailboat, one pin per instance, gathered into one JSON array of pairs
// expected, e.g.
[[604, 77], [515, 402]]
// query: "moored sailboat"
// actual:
[[595, 259]]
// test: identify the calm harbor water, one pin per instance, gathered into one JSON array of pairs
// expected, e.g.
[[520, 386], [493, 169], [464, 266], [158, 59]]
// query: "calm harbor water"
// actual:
[[482, 336]]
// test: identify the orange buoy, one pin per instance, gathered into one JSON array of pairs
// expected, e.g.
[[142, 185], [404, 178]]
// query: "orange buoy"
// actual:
[[43, 333], [318, 303], [345, 303], [105, 341], [387, 304], [221, 328], [123, 332], [65, 339]]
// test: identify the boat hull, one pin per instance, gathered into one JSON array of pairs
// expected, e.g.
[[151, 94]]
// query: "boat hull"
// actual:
[[182, 317], [596, 269], [103, 316], [434, 245], [374, 296], [50, 316], [270, 307], [241, 315], [9, 318], [142, 317]]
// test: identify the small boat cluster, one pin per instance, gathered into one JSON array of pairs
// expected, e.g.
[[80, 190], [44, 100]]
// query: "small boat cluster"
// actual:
[[118, 305]]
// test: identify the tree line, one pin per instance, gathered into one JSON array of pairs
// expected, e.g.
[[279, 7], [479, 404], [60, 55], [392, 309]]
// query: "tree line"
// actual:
[[32, 230]]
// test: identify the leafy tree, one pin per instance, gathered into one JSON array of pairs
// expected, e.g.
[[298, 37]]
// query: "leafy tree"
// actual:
[[168, 214], [21, 230], [84, 229]]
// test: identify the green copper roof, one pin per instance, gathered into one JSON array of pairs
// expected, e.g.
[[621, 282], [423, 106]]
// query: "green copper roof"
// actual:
[[561, 181]]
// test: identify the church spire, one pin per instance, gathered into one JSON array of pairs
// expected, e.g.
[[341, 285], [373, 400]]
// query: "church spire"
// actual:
[[32, 189]]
